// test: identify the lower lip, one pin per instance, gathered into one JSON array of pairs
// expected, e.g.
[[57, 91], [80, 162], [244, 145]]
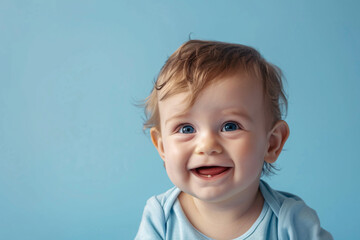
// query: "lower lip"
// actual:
[[212, 177]]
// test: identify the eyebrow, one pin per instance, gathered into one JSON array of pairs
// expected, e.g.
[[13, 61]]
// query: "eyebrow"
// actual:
[[238, 113], [180, 115], [241, 114]]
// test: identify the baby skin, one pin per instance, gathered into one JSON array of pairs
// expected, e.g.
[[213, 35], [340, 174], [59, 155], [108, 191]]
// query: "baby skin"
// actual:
[[215, 149]]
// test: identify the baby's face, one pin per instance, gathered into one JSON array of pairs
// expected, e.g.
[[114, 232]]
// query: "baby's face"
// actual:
[[215, 150]]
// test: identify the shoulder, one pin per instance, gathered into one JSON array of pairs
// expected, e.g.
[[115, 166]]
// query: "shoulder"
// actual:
[[296, 220], [276, 199], [156, 214], [162, 204]]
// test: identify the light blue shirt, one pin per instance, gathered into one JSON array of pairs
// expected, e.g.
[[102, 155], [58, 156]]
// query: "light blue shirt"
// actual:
[[284, 216]]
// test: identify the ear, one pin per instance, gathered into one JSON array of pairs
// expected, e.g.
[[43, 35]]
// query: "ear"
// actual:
[[157, 141], [276, 140]]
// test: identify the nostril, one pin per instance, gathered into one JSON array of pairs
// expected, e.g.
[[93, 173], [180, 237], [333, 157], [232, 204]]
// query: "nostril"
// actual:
[[209, 148]]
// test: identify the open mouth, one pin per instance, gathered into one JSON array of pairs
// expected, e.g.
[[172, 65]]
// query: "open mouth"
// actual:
[[210, 171]]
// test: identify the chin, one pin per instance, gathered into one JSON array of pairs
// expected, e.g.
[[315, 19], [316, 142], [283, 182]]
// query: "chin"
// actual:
[[211, 195]]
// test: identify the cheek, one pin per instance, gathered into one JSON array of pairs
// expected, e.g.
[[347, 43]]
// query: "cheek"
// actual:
[[176, 156], [248, 161], [176, 161], [175, 149], [249, 151]]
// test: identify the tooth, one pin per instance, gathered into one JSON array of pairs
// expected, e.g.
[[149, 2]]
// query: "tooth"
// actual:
[[209, 176]]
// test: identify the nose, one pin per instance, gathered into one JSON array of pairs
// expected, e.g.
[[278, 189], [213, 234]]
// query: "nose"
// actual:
[[208, 144]]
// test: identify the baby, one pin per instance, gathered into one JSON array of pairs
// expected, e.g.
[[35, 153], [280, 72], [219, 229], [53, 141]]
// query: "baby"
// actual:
[[215, 117]]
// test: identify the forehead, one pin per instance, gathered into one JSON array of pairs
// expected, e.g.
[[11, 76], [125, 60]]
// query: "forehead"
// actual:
[[236, 91]]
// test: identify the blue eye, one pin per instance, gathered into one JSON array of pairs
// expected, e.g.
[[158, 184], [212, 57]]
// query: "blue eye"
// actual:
[[230, 126], [186, 129]]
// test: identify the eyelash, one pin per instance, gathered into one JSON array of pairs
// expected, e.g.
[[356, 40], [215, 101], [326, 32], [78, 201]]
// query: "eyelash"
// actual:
[[180, 127], [238, 126]]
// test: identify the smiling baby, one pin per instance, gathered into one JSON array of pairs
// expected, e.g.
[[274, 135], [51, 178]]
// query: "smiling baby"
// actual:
[[215, 117]]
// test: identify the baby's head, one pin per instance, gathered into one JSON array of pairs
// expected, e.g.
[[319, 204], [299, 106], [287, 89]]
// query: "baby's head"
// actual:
[[198, 64]]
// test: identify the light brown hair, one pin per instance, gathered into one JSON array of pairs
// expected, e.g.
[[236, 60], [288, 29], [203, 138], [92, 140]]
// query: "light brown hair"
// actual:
[[197, 63]]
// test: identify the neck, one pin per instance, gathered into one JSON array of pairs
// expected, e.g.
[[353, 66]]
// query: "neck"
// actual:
[[232, 217], [230, 210]]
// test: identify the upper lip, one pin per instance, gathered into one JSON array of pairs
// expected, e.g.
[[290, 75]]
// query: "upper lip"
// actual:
[[210, 162], [209, 165]]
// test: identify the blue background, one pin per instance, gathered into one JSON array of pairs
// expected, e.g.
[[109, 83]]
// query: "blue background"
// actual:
[[74, 162]]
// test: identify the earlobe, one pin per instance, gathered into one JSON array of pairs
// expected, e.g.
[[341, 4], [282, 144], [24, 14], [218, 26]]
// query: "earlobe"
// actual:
[[276, 140], [157, 141]]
